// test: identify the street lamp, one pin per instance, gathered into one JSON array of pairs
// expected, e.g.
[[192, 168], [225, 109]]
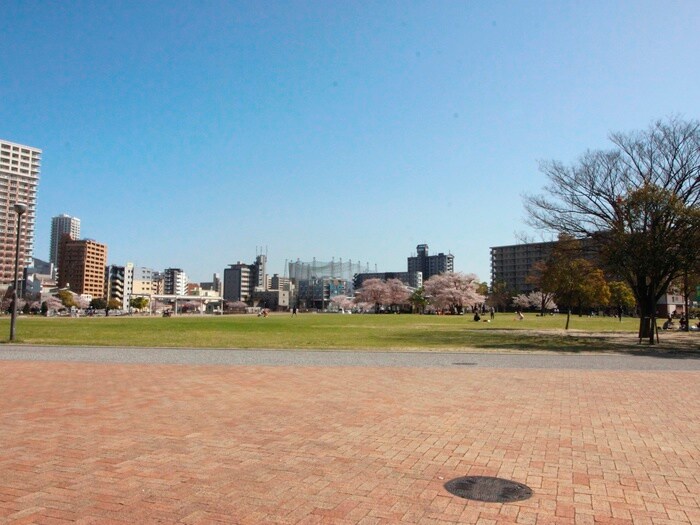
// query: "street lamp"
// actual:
[[20, 208]]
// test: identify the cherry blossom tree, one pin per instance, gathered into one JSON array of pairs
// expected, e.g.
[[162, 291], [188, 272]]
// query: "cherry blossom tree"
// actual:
[[364, 307], [540, 277], [342, 302], [397, 292], [235, 306], [522, 301], [542, 300], [453, 291], [81, 302], [374, 291], [534, 300], [53, 304], [190, 307], [35, 307]]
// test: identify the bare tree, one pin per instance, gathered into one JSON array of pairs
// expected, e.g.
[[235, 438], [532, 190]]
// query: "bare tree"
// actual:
[[638, 201]]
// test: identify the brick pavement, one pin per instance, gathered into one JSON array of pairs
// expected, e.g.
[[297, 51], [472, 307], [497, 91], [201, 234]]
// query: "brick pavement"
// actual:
[[106, 443]]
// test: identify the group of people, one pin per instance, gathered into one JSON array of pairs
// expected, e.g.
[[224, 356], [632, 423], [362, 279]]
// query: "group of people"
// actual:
[[477, 317], [669, 324]]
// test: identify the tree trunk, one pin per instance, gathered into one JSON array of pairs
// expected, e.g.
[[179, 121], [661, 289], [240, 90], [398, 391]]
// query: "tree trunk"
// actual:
[[686, 301], [647, 321], [568, 316]]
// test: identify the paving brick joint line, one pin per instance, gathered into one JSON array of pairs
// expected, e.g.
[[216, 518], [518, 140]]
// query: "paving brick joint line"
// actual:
[[128, 443]]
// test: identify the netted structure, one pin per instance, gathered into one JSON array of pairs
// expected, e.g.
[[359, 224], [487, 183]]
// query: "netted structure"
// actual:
[[301, 271]]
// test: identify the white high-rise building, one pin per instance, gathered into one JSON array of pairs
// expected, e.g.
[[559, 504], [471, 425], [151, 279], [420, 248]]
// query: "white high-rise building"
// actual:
[[175, 281], [19, 177], [60, 225]]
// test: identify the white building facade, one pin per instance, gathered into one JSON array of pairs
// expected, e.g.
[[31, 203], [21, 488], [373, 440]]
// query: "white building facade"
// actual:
[[60, 225], [175, 281]]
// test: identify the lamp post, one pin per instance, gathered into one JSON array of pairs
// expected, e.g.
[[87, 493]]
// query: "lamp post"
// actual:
[[20, 208]]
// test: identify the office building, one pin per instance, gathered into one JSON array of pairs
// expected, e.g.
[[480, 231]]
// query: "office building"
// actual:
[[82, 264], [60, 225], [19, 177]]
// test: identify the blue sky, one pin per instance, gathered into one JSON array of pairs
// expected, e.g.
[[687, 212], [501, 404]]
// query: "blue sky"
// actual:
[[187, 134]]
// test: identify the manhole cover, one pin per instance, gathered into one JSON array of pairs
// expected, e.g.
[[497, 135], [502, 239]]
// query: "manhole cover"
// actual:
[[484, 488], [465, 364]]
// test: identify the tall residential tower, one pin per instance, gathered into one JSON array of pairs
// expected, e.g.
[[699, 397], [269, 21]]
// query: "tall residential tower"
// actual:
[[60, 225], [19, 177], [430, 265]]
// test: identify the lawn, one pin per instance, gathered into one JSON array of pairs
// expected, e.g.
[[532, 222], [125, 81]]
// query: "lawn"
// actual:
[[332, 331]]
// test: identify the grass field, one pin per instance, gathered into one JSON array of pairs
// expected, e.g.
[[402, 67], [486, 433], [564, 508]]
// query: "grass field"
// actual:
[[334, 331]]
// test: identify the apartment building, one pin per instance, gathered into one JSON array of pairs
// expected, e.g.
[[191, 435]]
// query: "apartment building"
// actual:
[[119, 282], [143, 281], [158, 283], [82, 264], [241, 280], [430, 265], [512, 264], [174, 281], [60, 225], [237, 282], [19, 177]]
